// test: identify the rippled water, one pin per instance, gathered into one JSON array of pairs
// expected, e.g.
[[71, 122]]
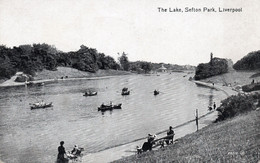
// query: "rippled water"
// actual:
[[34, 135]]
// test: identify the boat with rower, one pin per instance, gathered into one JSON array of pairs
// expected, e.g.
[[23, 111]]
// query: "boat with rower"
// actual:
[[125, 91], [155, 92], [40, 105], [109, 107], [90, 93]]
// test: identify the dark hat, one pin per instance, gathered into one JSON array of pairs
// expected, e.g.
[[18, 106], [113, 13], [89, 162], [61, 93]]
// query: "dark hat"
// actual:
[[170, 127], [62, 142]]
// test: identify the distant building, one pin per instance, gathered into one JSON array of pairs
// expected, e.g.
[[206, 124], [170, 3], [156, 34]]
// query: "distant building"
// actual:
[[162, 69]]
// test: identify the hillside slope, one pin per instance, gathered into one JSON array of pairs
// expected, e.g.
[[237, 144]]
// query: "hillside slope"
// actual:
[[233, 140]]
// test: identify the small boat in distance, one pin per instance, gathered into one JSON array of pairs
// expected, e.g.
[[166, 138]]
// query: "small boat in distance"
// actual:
[[90, 94], [109, 107], [125, 91], [40, 105], [155, 92]]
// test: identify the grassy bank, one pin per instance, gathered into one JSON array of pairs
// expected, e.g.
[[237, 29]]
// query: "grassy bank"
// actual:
[[234, 78], [64, 72], [74, 73], [233, 140]]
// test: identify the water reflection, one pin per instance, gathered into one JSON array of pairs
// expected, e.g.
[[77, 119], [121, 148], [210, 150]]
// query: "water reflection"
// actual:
[[211, 97]]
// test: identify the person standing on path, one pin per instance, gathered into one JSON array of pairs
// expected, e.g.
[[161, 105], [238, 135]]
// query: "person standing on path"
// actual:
[[61, 150], [171, 134]]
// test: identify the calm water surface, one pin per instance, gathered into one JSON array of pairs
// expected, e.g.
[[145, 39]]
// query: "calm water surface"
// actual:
[[34, 135]]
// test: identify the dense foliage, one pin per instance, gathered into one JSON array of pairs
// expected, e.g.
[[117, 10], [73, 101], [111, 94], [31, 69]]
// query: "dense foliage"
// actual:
[[217, 66], [36, 57], [124, 62], [146, 67], [251, 87], [237, 104], [250, 62], [141, 66]]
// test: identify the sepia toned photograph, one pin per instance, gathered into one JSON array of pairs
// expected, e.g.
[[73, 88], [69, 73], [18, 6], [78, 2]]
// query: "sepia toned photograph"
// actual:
[[133, 81]]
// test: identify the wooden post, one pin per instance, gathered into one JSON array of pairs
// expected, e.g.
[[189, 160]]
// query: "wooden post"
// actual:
[[197, 119]]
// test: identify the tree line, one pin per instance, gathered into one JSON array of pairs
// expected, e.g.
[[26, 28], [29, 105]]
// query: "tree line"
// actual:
[[145, 67], [218, 66], [36, 57]]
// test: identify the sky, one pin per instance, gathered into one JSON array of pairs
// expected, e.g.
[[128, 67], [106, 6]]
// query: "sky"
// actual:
[[135, 27]]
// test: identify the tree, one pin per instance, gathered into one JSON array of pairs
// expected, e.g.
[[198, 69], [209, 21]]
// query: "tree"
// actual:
[[146, 66], [124, 62], [205, 70], [249, 62]]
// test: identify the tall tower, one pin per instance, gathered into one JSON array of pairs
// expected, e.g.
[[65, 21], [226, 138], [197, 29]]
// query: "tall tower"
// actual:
[[211, 57]]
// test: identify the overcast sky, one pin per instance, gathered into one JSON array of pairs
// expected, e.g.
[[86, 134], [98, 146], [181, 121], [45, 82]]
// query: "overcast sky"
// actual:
[[135, 27]]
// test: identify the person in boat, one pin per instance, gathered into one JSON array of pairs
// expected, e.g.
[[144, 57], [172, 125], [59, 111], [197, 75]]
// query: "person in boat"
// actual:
[[42, 103], [171, 134], [76, 151], [87, 93], [124, 89], [62, 152], [36, 104]]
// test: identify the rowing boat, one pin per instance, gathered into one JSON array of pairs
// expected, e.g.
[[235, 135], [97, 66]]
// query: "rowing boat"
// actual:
[[39, 106], [109, 107]]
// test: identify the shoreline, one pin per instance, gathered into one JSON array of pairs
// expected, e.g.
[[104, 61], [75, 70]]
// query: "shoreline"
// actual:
[[212, 143], [210, 116], [47, 76], [169, 153], [54, 80], [129, 149], [229, 91]]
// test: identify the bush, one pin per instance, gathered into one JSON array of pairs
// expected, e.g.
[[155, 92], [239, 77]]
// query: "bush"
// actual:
[[237, 104], [251, 87]]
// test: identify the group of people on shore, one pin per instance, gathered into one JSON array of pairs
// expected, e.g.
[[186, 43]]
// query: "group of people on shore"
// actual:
[[214, 107], [151, 140], [76, 151]]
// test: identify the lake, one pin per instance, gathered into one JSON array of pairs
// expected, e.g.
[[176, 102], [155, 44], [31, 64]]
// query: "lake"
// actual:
[[32, 136]]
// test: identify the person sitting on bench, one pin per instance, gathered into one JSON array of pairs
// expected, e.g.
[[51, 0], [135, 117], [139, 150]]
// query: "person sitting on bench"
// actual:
[[149, 144]]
